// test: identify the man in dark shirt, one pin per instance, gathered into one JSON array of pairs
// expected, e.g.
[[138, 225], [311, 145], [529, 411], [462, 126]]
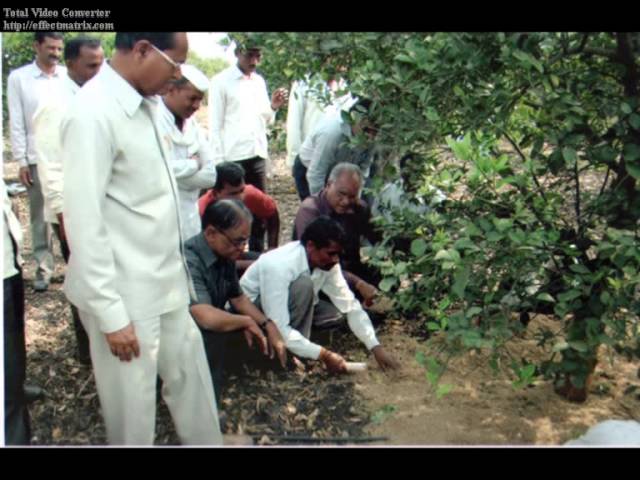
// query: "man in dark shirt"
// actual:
[[211, 259], [340, 200]]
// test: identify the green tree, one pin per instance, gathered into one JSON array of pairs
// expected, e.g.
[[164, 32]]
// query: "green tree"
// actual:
[[536, 139]]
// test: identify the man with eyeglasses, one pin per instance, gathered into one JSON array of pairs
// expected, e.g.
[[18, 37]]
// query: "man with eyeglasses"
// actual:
[[211, 256], [340, 200], [127, 272]]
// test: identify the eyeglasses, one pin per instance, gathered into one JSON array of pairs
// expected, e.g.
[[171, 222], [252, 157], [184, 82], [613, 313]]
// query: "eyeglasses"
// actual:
[[174, 64], [238, 243]]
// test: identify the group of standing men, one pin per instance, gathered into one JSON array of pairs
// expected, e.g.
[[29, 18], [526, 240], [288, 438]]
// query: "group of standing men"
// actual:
[[119, 166]]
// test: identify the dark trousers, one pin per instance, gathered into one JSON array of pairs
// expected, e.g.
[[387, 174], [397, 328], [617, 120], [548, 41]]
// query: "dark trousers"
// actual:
[[82, 338], [299, 172], [17, 424], [255, 173], [215, 346]]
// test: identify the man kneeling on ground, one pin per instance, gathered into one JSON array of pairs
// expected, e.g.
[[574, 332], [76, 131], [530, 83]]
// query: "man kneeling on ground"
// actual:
[[211, 259], [285, 284]]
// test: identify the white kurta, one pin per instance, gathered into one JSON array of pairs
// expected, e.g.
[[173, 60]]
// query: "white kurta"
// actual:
[[47, 122], [127, 265], [27, 88], [191, 161], [239, 113]]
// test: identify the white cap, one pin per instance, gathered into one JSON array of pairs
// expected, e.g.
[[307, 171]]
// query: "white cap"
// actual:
[[196, 77]]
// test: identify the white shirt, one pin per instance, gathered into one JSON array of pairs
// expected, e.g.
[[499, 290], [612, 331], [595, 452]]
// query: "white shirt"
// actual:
[[270, 277], [11, 233], [239, 113], [27, 86], [46, 126], [306, 110], [191, 161], [120, 207]]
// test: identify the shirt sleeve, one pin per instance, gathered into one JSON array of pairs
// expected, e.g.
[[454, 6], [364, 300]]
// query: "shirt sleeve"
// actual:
[[198, 275], [18, 127], [307, 213], [46, 123], [336, 288], [88, 157], [295, 117], [260, 204], [274, 286], [204, 173], [267, 113], [217, 105]]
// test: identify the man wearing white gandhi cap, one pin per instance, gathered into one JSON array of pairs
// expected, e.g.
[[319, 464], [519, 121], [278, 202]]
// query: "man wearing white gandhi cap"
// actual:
[[190, 155]]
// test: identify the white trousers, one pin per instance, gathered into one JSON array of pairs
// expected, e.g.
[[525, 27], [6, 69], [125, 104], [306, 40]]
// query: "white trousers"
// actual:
[[170, 346]]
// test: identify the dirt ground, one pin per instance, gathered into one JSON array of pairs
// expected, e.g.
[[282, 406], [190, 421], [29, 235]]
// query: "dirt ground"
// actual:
[[313, 408]]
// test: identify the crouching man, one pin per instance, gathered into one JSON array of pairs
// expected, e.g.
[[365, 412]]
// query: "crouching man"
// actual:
[[284, 283]]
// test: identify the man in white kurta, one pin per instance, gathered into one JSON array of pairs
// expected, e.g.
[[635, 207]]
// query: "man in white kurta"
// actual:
[[27, 87], [240, 112], [127, 274], [190, 155], [84, 57]]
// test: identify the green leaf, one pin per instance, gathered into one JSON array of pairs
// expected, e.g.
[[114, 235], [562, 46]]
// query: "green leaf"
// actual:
[[570, 156], [579, 346], [387, 283], [404, 58], [560, 346], [634, 121], [432, 115], [545, 297], [433, 326], [461, 279], [420, 358], [418, 247], [443, 390], [626, 108], [472, 312], [633, 170], [570, 295], [631, 152], [579, 268]]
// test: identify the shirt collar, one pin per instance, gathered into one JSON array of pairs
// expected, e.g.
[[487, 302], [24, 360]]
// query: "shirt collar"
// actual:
[[238, 74], [35, 70], [204, 251], [126, 95], [71, 84]]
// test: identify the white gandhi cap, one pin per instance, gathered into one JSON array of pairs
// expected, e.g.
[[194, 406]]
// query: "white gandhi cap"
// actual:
[[196, 77]]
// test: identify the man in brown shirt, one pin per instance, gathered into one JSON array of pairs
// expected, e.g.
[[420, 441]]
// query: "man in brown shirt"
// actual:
[[340, 200]]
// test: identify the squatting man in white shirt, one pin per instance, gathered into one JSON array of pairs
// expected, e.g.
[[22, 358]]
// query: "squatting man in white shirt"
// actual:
[[285, 284]]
